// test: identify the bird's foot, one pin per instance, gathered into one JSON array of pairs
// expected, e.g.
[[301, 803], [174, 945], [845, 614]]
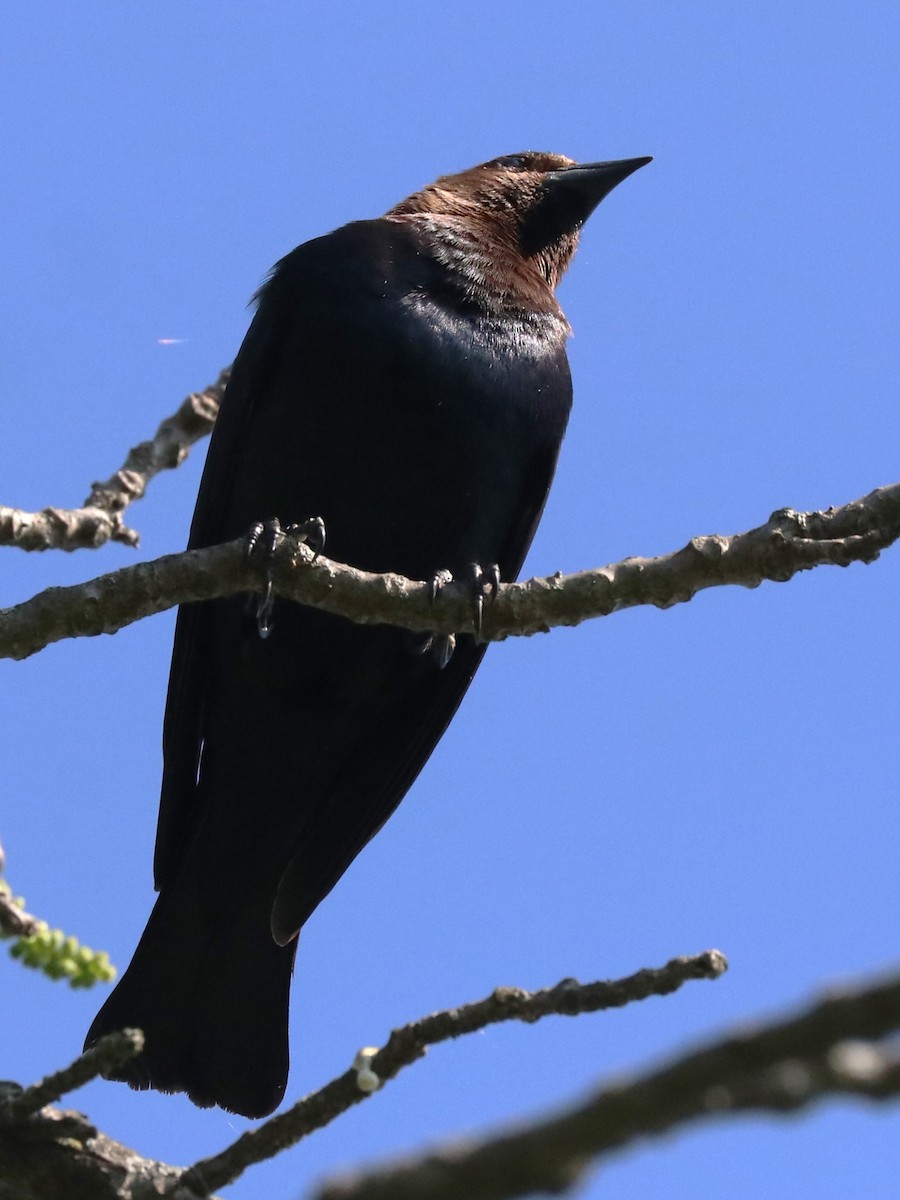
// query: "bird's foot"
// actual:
[[438, 582], [484, 583], [310, 532], [263, 538], [439, 647]]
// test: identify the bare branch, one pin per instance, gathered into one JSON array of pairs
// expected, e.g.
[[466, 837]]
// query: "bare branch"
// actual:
[[374, 1067], [110, 1052], [788, 543], [100, 520], [781, 1067], [835, 1047]]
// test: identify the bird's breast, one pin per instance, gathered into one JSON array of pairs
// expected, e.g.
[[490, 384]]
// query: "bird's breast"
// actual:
[[407, 419], [519, 342]]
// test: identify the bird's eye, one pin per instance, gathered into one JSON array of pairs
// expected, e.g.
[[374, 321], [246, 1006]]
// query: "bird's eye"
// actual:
[[510, 162]]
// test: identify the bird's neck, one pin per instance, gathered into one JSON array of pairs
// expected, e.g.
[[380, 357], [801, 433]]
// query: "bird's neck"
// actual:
[[484, 257]]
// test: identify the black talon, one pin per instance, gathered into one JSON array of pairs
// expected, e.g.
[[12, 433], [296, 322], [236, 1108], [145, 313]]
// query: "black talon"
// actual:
[[267, 534], [256, 532], [485, 582], [264, 610], [444, 645], [310, 532], [440, 646], [476, 578], [490, 583], [438, 582]]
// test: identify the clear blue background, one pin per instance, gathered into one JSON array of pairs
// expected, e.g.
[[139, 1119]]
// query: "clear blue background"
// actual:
[[722, 774]]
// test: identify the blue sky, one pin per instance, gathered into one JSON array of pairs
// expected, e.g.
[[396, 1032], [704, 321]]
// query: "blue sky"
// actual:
[[657, 783]]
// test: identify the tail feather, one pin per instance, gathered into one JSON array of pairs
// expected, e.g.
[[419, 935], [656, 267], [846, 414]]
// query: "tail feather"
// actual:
[[210, 990]]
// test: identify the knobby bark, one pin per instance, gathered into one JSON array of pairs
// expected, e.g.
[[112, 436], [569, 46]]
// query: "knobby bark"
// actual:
[[789, 542]]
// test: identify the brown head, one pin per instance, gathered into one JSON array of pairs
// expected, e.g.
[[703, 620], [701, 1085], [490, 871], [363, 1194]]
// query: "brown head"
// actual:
[[510, 226]]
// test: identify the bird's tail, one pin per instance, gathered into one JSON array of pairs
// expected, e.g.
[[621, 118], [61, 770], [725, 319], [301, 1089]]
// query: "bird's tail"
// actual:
[[210, 990]]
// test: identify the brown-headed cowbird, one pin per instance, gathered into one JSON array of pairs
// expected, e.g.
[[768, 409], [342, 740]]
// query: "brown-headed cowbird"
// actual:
[[406, 379]]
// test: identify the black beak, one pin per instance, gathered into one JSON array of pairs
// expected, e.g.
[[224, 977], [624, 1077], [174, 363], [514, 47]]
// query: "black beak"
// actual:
[[594, 181], [569, 197]]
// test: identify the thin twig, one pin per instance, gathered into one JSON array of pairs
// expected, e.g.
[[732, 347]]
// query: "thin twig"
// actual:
[[776, 1068], [99, 519], [111, 1051], [374, 1067]]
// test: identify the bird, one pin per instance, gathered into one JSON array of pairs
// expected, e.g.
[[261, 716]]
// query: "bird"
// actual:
[[404, 379]]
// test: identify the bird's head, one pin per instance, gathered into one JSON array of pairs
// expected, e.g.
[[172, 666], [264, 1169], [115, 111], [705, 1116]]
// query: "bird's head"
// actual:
[[526, 210]]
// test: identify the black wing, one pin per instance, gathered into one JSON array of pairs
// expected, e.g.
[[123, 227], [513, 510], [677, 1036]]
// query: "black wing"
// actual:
[[396, 420], [183, 720]]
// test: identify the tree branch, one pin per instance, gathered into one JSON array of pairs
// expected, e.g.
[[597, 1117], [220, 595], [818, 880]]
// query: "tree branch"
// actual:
[[60, 1153], [830, 1049], [111, 1051], [374, 1067], [48, 1152], [787, 543], [781, 1067], [100, 518]]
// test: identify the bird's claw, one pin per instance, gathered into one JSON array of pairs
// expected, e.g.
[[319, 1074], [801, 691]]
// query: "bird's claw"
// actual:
[[310, 532], [266, 535], [437, 583], [263, 537], [440, 646], [484, 582]]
